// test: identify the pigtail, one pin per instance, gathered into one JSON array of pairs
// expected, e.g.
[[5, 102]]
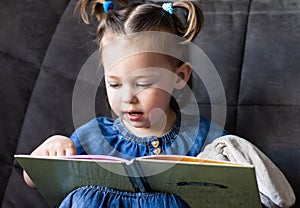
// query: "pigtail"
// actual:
[[96, 6], [195, 18]]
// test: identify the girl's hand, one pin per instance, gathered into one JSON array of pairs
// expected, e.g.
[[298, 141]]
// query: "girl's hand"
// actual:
[[54, 146]]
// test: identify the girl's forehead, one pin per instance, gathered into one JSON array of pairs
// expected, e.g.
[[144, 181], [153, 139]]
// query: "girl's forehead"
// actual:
[[115, 48], [139, 73], [141, 65], [140, 61]]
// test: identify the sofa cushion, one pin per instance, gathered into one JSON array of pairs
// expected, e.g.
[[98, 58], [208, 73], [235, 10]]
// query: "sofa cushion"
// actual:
[[253, 45], [269, 101], [26, 30]]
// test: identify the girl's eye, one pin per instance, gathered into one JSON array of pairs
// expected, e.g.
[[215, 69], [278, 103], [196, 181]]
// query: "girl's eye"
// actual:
[[114, 85], [143, 85]]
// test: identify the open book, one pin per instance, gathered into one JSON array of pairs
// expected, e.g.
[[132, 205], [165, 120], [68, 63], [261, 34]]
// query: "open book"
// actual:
[[206, 182]]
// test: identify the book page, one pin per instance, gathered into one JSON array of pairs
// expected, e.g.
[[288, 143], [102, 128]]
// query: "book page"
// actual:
[[181, 158], [78, 157]]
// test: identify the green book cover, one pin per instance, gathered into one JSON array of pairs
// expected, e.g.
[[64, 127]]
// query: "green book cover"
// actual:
[[206, 182]]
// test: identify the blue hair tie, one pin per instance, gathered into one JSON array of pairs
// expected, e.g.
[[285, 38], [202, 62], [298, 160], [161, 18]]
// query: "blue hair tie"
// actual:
[[168, 7], [108, 5]]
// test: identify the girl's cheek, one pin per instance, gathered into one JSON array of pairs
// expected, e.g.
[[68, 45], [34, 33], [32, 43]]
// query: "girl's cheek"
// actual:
[[115, 109], [111, 94]]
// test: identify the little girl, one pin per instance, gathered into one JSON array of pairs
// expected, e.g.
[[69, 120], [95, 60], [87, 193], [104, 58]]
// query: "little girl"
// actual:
[[139, 89]]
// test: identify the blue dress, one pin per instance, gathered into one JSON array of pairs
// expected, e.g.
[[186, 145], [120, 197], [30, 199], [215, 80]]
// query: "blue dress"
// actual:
[[104, 136]]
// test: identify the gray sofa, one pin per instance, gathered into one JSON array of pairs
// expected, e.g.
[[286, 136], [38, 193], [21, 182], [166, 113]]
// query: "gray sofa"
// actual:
[[254, 45]]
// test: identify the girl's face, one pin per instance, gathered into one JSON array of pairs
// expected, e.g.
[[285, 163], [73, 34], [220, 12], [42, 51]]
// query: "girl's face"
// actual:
[[139, 91]]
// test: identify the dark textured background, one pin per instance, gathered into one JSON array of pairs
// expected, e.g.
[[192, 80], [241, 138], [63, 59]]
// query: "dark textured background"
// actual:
[[255, 46]]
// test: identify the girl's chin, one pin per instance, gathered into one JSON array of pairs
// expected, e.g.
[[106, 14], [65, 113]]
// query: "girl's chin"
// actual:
[[139, 125]]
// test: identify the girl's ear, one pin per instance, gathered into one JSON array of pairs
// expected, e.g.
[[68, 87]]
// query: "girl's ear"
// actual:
[[183, 73]]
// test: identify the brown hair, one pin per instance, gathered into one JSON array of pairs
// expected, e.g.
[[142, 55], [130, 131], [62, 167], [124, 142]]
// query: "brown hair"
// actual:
[[127, 18], [143, 16]]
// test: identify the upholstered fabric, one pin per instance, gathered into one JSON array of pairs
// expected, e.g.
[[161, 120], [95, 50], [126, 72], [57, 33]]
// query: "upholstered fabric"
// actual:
[[254, 45]]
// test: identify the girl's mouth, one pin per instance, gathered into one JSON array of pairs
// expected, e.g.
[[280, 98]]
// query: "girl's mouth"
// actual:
[[134, 116]]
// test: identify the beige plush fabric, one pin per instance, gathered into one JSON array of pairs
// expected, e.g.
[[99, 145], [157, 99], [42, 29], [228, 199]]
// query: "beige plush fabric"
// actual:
[[275, 190]]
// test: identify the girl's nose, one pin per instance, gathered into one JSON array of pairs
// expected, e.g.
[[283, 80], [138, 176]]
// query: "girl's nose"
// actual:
[[129, 96]]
